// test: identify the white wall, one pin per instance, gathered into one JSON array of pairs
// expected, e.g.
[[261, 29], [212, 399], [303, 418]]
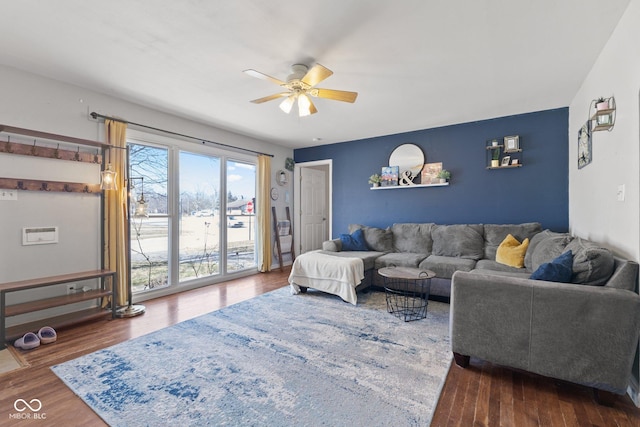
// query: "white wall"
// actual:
[[594, 211], [33, 102]]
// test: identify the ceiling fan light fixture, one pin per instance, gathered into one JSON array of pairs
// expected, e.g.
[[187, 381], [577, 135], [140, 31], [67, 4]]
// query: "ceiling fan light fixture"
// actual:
[[287, 104], [304, 105]]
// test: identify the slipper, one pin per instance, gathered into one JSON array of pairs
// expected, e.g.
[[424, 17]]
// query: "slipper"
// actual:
[[47, 335], [28, 341]]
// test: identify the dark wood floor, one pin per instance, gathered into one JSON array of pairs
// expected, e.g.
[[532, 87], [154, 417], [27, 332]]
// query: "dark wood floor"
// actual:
[[480, 395]]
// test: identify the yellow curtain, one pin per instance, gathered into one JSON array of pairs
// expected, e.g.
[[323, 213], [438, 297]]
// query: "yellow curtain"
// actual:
[[115, 210], [263, 212]]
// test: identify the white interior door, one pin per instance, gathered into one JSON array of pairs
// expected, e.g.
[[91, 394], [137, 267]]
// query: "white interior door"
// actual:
[[313, 209]]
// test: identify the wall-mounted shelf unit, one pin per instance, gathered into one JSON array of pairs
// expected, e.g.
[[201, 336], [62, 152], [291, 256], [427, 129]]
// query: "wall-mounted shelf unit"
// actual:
[[505, 155], [10, 147], [103, 275], [395, 187]]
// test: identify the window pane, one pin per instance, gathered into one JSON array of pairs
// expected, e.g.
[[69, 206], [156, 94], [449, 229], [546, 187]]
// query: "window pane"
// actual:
[[149, 260], [240, 215], [148, 168], [199, 216]]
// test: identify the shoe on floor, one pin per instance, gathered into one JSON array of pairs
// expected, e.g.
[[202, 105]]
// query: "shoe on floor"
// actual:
[[28, 341], [47, 335]]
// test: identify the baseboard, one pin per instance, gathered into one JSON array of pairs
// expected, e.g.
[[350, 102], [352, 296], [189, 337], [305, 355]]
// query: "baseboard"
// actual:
[[634, 391]]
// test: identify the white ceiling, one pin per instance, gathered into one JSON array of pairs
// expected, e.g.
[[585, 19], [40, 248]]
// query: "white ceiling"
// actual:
[[416, 64]]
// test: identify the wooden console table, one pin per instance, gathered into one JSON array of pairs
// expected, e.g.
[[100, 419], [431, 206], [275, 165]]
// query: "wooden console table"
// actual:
[[9, 334]]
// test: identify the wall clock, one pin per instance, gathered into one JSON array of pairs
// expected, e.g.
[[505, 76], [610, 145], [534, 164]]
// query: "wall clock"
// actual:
[[584, 145], [274, 193]]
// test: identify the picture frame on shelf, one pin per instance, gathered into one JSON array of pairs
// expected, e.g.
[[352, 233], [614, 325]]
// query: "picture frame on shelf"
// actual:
[[429, 174], [389, 176], [506, 160], [511, 143]]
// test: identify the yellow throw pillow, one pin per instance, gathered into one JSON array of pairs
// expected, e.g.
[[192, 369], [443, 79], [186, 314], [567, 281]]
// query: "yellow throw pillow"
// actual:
[[511, 252]]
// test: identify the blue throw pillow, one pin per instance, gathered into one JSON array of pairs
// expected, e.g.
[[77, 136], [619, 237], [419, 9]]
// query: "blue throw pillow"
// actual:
[[354, 241], [558, 270]]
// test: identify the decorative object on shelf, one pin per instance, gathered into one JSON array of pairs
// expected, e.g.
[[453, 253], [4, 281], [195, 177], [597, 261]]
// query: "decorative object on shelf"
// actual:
[[511, 143], [494, 143], [407, 157], [444, 176], [406, 178], [602, 114], [282, 177], [375, 180], [429, 174], [514, 162], [584, 145], [274, 193], [495, 157], [289, 164], [389, 176], [506, 160]]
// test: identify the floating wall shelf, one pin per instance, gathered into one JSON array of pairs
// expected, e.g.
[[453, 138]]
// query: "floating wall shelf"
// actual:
[[395, 187]]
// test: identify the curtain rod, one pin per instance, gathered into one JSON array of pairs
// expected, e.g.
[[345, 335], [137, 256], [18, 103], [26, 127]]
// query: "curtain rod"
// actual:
[[96, 116]]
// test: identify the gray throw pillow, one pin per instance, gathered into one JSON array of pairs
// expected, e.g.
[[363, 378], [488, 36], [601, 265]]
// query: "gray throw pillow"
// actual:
[[549, 249], [592, 264], [378, 239], [460, 240], [533, 243]]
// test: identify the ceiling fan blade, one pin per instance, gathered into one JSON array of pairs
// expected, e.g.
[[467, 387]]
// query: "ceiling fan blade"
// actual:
[[337, 95], [287, 104], [305, 106], [259, 75], [316, 74], [270, 97]]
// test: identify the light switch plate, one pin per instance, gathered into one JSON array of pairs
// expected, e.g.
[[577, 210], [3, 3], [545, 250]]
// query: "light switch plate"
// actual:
[[8, 194], [620, 193]]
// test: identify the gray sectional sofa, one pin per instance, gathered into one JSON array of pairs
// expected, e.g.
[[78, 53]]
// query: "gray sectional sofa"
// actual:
[[585, 331], [443, 249]]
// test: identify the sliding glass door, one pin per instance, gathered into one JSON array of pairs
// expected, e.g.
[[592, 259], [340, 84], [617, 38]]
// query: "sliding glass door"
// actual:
[[240, 215], [199, 213], [192, 215], [149, 216]]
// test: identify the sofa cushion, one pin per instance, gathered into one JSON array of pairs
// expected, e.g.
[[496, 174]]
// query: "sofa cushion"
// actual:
[[535, 241], [558, 270], [548, 249], [460, 240], [354, 241], [511, 252], [334, 245], [445, 266], [487, 266], [592, 264], [377, 239], [414, 238], [399, 259], [494, 234]]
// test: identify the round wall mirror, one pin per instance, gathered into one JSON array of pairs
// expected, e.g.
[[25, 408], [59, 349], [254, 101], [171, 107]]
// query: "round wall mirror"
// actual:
[[407, 157]]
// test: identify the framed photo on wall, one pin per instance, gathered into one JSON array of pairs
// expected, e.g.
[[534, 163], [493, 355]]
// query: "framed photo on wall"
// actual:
[[511, 143], [584, 145]]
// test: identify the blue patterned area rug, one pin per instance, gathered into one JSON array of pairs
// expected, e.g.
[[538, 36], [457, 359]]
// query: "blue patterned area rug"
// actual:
[[275, 360]]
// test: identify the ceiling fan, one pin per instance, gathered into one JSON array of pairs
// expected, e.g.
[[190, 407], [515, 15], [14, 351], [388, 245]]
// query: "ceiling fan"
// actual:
[[299, 85]]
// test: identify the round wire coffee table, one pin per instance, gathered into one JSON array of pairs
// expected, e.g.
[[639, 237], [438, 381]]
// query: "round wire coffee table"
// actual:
[[407, 291]]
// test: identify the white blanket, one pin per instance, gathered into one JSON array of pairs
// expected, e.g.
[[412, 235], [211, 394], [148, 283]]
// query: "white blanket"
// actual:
[[327, 273]]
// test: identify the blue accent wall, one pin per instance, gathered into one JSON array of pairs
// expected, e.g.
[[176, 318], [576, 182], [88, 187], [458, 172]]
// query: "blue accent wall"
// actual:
[[537, 191]]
